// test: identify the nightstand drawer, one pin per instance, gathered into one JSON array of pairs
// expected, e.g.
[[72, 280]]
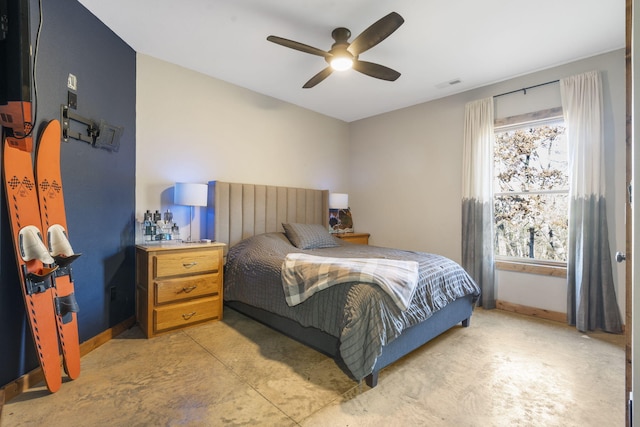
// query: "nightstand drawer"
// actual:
[[181, 263], [359, 238], [172, 290], [184, 314]]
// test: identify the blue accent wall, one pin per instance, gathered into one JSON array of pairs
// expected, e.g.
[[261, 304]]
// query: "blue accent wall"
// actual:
[[99, 186]]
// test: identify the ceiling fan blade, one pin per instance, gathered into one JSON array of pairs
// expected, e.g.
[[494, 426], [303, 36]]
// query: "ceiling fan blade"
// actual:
[[297, 46], [377, 32], [376, 70], [318, 78]]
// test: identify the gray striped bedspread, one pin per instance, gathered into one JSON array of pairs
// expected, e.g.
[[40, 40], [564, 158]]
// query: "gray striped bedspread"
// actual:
[[361, 315]]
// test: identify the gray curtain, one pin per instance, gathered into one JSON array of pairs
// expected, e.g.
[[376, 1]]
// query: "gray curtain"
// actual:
[[477, 198], [591, 298]]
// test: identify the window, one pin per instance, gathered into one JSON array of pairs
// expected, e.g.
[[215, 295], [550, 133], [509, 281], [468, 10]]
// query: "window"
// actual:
[[531, 190]]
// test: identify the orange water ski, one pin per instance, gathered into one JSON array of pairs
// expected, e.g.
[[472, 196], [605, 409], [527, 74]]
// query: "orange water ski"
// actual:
[[36, 280], [54, 228]]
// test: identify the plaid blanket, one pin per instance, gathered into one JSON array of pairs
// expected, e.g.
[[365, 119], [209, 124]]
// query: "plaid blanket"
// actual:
[[303, 275]]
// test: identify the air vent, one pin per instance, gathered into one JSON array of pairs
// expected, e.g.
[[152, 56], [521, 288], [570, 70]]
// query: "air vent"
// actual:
[[449, 83]]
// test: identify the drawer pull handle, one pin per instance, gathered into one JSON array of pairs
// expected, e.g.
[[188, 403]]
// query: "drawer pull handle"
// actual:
[[190, 264], [187, 316], [186, 290]]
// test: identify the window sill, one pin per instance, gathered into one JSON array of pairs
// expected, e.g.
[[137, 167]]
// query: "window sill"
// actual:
[[540, 268]]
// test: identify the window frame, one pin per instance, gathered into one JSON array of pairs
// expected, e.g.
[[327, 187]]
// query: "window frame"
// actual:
[[530, 265]]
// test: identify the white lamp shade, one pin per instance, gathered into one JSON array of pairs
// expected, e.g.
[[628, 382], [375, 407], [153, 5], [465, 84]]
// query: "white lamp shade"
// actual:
[[338, 201], [190, 194]]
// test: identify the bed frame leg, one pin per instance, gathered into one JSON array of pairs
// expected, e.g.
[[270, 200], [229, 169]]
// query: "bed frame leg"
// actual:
[[372, 379], [466, 322]]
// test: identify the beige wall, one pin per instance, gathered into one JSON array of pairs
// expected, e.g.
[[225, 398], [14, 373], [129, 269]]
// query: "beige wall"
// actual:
[[193, 128], [402, 169], [406, 167]]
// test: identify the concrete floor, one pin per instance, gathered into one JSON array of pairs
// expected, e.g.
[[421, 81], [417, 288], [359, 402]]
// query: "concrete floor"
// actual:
[[504, 370]]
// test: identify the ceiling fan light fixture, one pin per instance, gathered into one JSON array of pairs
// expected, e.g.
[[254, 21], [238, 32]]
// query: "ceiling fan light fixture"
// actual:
[[344, 55], [341, 63]]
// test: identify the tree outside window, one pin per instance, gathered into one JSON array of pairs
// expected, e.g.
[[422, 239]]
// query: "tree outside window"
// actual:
[[531, 192]]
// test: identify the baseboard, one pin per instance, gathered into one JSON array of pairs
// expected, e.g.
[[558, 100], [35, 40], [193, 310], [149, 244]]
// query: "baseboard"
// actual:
[[28, 380], [95, 342], [556, 316]]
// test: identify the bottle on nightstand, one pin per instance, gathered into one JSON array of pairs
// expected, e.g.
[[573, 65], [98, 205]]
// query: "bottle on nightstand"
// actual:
[[175, 232], [149, 227]]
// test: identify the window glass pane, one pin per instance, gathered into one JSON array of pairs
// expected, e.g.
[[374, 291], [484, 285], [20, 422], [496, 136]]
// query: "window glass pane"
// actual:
[[533, 158], [532, 221]]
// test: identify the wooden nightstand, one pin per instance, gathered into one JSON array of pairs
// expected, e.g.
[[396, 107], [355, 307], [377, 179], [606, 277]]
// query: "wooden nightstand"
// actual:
[[178, 285], [360, 238]]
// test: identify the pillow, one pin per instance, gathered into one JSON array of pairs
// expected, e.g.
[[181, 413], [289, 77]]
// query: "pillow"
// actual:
[[309, 236]]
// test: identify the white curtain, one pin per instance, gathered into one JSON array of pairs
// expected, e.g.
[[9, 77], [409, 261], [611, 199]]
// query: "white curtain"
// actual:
[[591, 299], [477, 197]]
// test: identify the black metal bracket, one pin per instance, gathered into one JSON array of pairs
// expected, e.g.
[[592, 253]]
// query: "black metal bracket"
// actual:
[[103, 136], [67, 116]]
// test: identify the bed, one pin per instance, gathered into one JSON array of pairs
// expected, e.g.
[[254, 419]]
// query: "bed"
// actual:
[[358, 323]]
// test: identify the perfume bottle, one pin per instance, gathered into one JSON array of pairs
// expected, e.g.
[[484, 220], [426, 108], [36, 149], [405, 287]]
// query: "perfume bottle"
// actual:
[[149, 227], [175, 232], [168, 217]]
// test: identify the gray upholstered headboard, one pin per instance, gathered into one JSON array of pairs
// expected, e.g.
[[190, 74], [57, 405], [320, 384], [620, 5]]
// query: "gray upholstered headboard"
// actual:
[[237, 211]]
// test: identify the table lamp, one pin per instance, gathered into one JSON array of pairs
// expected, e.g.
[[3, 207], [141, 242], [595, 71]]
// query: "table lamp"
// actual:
[[340, 220], [190, 194]]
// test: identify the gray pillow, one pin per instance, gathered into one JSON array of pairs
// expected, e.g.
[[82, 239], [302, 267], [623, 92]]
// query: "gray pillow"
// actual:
[[309, 236]]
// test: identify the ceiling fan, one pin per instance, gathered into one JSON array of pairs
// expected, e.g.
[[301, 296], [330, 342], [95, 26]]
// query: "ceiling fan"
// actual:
[[344, 55]]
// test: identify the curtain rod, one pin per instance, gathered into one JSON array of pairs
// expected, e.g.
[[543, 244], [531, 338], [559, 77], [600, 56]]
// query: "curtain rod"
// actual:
[[524, 89]]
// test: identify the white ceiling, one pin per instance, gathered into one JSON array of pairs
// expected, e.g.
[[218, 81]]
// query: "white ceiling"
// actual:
[[477, 41]]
